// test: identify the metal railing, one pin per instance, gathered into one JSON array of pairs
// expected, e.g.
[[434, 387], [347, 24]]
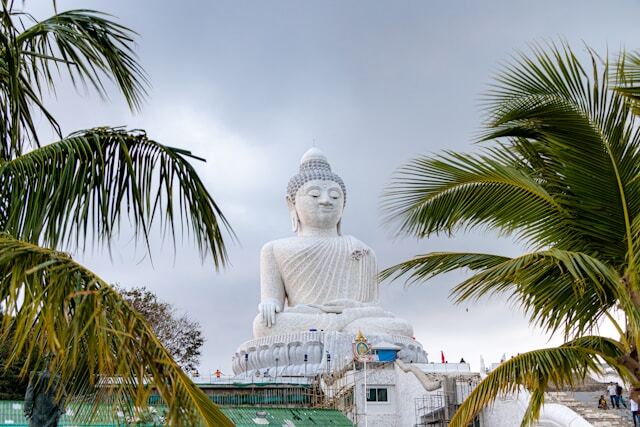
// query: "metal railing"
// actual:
[[11, 414], [436, 409]]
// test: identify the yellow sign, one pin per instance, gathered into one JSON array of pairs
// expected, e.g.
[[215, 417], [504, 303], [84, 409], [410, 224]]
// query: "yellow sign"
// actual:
[[361, 348]]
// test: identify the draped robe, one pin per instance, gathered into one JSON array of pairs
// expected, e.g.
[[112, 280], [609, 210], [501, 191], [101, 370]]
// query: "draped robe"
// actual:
[[327, 273], [323, 283]]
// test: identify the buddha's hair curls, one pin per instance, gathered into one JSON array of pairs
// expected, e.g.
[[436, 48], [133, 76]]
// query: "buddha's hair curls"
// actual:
[[310, 170]]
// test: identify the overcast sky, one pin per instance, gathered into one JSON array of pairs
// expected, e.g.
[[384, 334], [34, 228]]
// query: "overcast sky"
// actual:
[[251, 86]]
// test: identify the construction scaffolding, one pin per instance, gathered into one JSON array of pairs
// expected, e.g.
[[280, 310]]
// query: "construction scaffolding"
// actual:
[[321, 392], [436, 409], [336, 390]]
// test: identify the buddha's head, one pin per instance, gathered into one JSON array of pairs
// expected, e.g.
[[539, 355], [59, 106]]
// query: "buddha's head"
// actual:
[[315, 195]]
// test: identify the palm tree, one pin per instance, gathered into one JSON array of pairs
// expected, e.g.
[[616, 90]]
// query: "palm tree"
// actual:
[[559, 170], [76, 191]]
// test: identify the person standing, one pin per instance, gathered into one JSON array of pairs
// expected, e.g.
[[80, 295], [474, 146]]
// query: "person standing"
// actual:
[[634, 411], [43, 404], [612, 395], [619, 394]]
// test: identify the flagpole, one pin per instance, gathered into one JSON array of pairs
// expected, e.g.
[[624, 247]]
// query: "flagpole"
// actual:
[[365, 393]]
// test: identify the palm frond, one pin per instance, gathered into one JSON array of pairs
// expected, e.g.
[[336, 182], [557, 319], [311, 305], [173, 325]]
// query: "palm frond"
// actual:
[[17, 94], [441, 194], [82, 186], [583, 138], [627, 79], [98, 345], [536, 370], [90, 46], [85, 43], [559, 289], [424, 267], [567, 149], [563, 173]]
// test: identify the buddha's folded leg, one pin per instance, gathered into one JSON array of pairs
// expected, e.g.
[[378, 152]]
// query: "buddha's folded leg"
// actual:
[[379, 325], [352, 314], [290, 322]]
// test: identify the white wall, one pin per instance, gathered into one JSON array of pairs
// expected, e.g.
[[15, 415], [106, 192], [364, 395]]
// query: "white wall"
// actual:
[[377, 413], [410, 388], [508, 411], [505, 412], [444, 367], [403, 388]]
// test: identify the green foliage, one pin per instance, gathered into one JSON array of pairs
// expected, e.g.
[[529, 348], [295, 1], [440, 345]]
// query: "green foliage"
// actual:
[[91, 333], [82, 186], [12, 385], [86, 43], [537, 369], [559, 172], [180, 335], [77, 191], [628, 78]]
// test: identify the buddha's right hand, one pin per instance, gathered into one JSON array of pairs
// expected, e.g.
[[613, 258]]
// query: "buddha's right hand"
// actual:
[[268, 310]]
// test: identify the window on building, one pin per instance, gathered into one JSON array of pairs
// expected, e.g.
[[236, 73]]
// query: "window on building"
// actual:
[[377, 395]]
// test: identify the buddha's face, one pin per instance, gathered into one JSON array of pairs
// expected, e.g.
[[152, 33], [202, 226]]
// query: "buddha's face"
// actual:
[[319, 204]]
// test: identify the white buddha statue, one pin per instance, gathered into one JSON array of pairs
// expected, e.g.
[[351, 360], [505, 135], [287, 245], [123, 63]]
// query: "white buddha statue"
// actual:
[[320, 279]]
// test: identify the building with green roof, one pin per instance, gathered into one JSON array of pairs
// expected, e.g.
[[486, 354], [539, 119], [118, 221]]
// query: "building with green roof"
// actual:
[[11, 414]]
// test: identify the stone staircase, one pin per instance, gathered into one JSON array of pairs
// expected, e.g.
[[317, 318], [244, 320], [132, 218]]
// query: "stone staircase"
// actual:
[[585, 406]]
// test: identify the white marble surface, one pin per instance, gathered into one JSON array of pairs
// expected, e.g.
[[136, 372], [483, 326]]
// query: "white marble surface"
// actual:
[[257, 356], [445, 367], [412, 385], [508, 411], [320, 279]]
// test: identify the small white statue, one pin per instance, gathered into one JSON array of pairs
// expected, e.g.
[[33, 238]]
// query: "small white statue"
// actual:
[[320, 279]]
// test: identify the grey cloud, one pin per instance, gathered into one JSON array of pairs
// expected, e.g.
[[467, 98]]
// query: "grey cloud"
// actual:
[[254, 84]]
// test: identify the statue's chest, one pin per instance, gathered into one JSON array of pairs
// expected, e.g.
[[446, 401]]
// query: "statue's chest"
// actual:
[[326, 251], [337, 261]]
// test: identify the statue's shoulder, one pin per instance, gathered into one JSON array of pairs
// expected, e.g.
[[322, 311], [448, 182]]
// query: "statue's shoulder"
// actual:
[[356, 242], [280, 245], [291, 245], [285, 241]]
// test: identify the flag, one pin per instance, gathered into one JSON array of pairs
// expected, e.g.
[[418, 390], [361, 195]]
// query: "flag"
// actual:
[[442, 356]]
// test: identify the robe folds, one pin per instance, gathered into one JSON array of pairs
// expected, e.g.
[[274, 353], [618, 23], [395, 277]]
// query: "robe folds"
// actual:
[[328, 272]]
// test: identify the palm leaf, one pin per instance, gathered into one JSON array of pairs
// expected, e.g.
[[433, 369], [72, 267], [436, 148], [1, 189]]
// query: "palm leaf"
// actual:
[[90, 46], [85, 43], [424, 267], [584, 136], [559, 289], [77, 191], [100, 347], [536, 370], [627, 79], [441, 194], [81, 186], [17, 95], [563, 173]]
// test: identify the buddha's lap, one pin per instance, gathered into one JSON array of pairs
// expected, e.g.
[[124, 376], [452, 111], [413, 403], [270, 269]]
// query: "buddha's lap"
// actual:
[[373, 319], [380, 325], [320, 309]]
